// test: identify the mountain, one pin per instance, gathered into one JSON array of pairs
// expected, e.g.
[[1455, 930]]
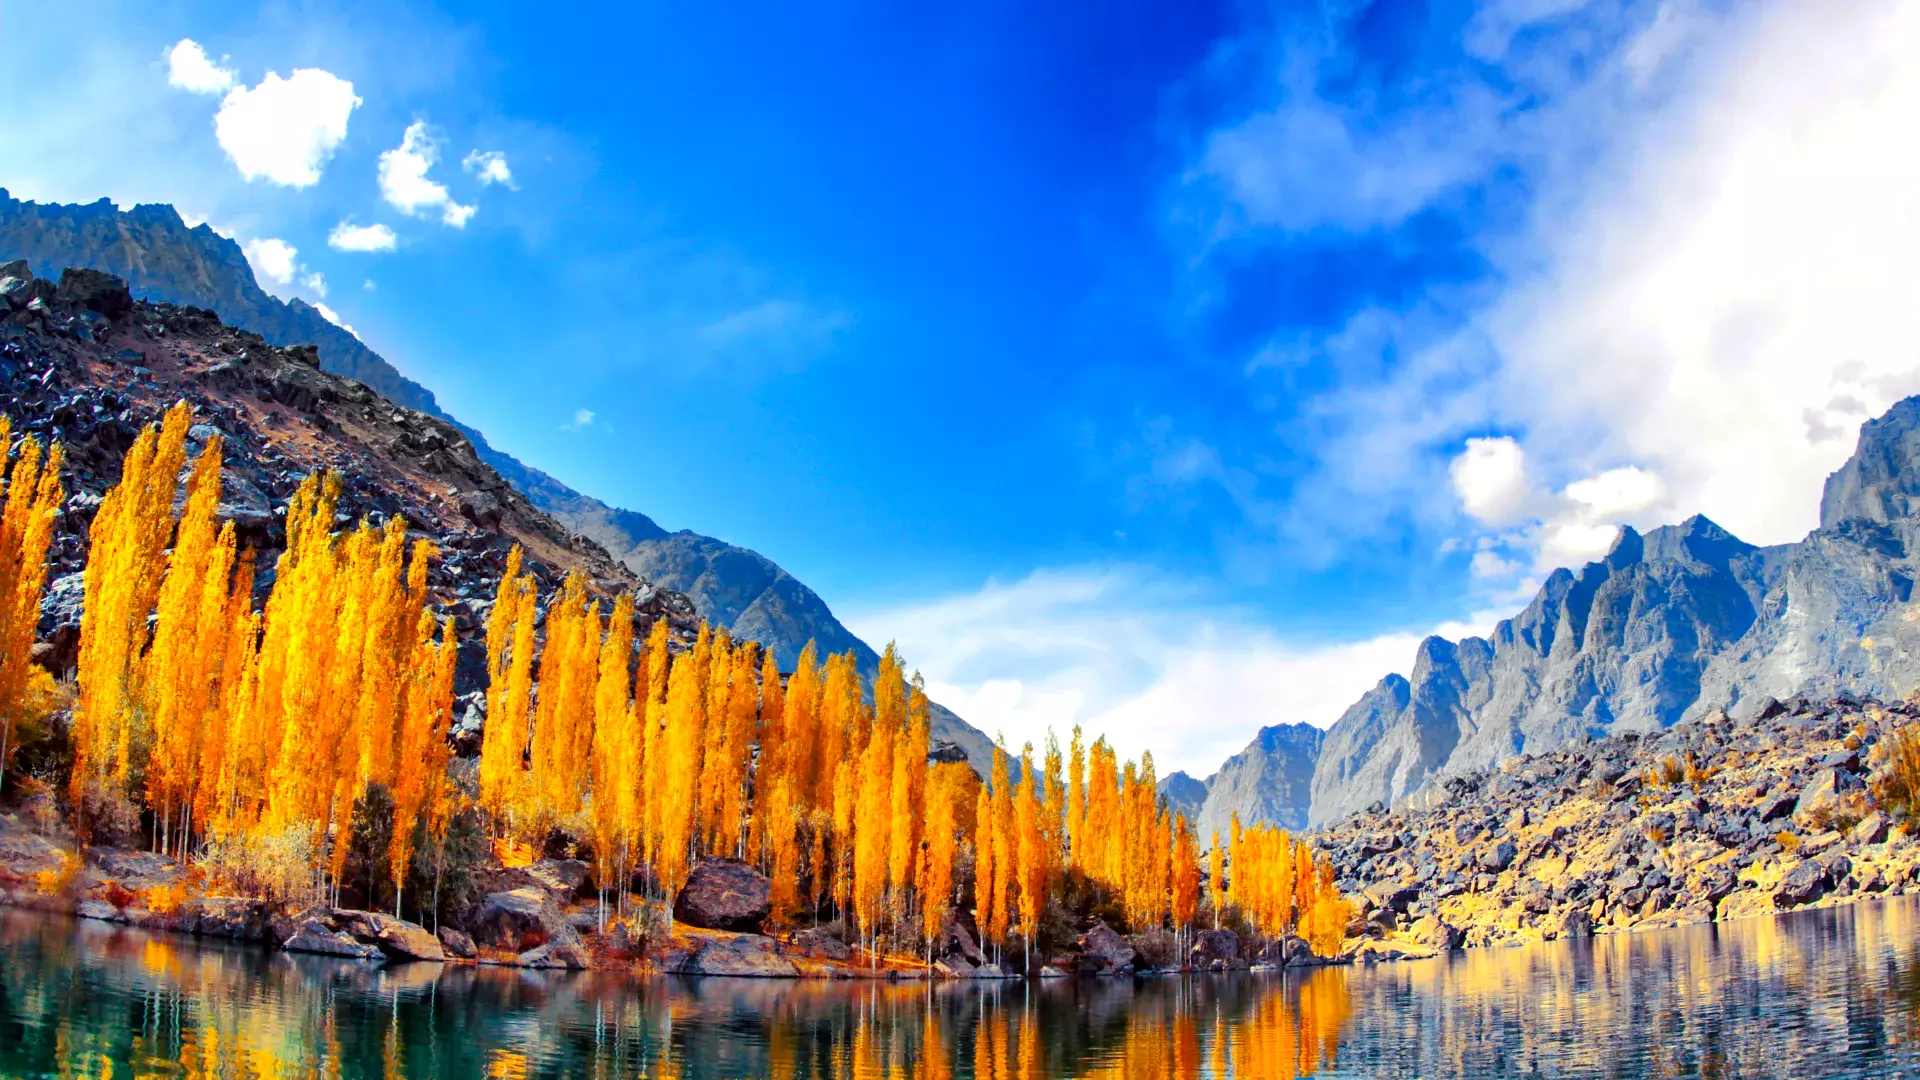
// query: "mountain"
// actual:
[[1266, 782], [86, 365], [1669, 626], [1182, 794], [161, 259]]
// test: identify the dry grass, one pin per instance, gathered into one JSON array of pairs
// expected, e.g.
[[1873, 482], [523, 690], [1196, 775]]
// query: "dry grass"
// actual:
[[1896, 786], [1788, 840]]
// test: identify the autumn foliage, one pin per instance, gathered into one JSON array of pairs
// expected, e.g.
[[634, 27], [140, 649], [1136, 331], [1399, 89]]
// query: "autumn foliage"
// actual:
[[250, 736]]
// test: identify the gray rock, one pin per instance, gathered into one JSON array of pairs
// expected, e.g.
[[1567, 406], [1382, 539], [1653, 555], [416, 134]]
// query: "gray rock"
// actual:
[[1269, 782], [1102, 951], [1804, 883], [1499, 857], [738, 955], [314, 936], [724, 894]]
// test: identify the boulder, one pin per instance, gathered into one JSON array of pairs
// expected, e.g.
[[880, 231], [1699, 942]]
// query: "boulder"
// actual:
[[313, 935], [954, 951], [554, 954], [819, 944], [519, 920], [1435, 933], [1499, 857], [456, 943], [724, 894], [1103, 952], [1577, 924], [566, 879], [1215, 950], [1804, 883], [1823, 792], [738, 955], [1872, 829], [1048, 971], [397, 938], [95, 291]]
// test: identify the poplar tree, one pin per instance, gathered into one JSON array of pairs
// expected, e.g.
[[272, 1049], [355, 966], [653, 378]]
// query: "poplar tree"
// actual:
[[125, 567], [26, 532]]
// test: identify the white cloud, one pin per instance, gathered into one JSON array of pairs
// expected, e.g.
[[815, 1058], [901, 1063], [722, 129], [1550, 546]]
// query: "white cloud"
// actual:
[[1141, 660], [491, 167], [1618, 494], [285, 130], [1490, 476], [189, 68], [273, 258], [582, 420], [315, 282], [333, 317], [404, 183], [347, 236], [1729, 292]]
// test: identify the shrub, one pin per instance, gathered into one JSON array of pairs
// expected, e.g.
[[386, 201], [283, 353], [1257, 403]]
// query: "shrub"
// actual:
[[1787, 840], [270, 866], [56, 880], [117, 894], [1896, 784], [165, 899]]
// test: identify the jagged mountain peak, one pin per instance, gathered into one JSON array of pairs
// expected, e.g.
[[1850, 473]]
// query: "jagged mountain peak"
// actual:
[[1880, 482]]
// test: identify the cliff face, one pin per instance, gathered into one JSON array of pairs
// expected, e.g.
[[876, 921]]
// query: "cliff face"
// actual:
[[1669, 626], [1269, 781], [163, 260]]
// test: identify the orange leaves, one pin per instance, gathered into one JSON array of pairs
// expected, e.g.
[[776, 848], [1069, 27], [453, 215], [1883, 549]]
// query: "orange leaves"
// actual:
[[26, 531], [128, 542], [503, 747]]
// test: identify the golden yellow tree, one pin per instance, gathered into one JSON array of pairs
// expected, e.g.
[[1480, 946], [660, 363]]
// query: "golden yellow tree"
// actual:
[[510, 640], [946, 787], [421, 751], [1186, 875], [615, 770], [179, 678], [26, 532], [1030, 854], [1216, 878], [125, 566], [909, 798]]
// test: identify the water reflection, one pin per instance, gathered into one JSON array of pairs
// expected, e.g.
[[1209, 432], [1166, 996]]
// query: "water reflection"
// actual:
[[1831, 993]]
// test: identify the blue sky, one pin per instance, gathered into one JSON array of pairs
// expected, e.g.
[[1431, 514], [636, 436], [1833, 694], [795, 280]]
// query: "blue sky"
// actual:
[[1168, 368]]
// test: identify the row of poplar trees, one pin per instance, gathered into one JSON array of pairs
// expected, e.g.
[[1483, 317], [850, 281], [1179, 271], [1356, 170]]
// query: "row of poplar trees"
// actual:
[[229, 724]]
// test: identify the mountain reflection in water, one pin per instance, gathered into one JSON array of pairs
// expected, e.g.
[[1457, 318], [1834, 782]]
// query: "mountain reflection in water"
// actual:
[[1827, 993]]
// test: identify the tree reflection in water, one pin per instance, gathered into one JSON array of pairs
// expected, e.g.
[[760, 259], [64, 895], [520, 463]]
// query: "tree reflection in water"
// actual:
[[1827, 993]]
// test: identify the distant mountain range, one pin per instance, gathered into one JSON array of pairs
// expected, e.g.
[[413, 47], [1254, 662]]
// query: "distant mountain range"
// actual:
[[164, 260], [1669, 626]]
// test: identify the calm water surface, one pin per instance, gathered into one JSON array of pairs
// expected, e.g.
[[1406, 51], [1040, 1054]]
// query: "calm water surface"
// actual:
[[1831, 993]]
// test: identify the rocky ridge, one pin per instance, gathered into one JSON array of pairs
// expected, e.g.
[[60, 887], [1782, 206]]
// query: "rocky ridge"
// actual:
[[83, 363]]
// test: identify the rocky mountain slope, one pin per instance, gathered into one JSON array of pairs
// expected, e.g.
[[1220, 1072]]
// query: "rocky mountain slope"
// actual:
[[83, 363], [164, 260], [1709, 820]]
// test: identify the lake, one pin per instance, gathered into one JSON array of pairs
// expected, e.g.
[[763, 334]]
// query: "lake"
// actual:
[[1818, 993]]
